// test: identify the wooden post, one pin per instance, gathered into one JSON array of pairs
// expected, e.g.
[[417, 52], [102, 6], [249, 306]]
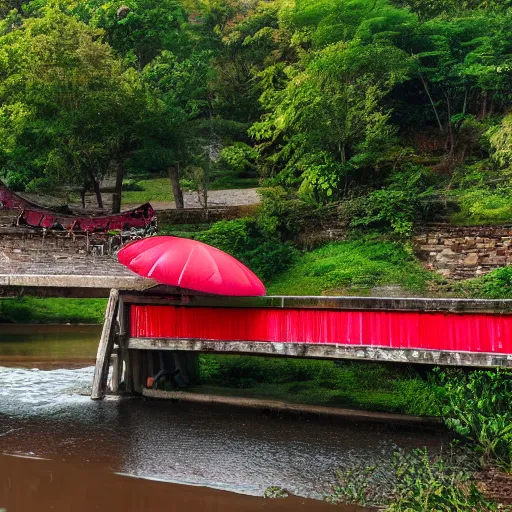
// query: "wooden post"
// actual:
[[135, 360], [117, 368], [99, 382]]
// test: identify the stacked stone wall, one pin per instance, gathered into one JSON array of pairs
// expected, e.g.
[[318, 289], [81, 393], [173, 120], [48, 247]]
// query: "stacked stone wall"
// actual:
[[462, 252], [200, 215]]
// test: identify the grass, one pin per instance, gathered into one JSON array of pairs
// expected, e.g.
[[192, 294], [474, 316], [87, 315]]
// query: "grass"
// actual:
[[352, 267], [228, 182], [32, 310], [355, 385], [482, 206], [158, 189]]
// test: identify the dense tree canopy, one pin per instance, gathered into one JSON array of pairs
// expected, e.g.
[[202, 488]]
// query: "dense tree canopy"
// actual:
[[327, 98]]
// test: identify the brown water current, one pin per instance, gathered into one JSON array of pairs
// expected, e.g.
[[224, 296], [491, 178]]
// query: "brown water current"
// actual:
[[138, 454]]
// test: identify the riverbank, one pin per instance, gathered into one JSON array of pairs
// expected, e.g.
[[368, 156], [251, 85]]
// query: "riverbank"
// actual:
[[35, 310]]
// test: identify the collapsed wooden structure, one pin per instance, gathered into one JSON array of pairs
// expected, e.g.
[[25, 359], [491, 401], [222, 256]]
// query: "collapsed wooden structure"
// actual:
[[35, 216]]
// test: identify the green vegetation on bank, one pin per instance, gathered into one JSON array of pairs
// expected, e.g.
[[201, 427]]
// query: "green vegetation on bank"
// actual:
[[33, 310], [353, 267], [476, 407], [355, 385], [145, 191]]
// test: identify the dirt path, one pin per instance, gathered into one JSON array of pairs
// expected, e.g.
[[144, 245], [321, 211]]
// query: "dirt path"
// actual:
[[231, 197]]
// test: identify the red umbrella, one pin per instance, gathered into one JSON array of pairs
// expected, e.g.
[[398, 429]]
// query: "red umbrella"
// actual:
[[190, 264]]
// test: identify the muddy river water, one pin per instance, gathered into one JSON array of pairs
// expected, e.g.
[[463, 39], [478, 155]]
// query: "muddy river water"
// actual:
[[61, 451]]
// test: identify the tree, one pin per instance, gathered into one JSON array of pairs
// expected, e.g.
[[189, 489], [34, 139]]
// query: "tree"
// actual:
[[327, 122], [176, 95], [65, 100], [138, 30]]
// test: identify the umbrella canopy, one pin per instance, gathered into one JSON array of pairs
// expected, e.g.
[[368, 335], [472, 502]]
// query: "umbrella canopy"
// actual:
[[190, 264]]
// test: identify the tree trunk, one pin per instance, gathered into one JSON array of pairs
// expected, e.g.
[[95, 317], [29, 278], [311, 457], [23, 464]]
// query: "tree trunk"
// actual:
[[116, 198], [427, 90], [82, 196], [450, 124], [484, 105], [96, 187], [174, 176]]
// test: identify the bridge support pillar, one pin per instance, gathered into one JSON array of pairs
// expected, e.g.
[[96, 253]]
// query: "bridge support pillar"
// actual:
[[99, 383]]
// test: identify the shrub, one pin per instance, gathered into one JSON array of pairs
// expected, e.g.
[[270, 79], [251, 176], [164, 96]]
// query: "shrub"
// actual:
[[478, 407], [413, 482], [131, 185], [479, 205], [495, 285], [426, 483], [283, 216], [40, 185], [243, 239], [394, 207]]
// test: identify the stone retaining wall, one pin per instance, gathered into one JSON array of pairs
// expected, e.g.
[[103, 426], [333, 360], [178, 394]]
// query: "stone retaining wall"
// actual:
[[200, 215], [466, 251]]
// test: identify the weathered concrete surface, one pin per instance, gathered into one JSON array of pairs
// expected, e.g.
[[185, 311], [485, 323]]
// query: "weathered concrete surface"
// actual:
[[170, 297], [287, 407], [70, 285], [319, 351]]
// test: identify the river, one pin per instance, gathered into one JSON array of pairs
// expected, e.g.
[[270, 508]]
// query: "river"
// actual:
[[61, 451]]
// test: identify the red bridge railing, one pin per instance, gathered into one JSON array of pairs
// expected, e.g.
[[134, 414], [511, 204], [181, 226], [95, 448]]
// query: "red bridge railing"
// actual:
[[433, 331]]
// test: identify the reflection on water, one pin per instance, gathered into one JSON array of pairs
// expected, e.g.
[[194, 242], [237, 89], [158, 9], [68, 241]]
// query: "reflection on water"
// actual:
[[47, 413], [54, 345]]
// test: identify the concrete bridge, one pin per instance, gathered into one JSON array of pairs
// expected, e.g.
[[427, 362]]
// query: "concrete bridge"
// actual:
[[151, 328]]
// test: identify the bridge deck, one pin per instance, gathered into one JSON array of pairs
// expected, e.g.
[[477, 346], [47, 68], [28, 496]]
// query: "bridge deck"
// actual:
[[72, 285]]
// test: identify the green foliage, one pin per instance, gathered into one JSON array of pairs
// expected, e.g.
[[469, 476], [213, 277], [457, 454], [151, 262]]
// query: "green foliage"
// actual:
[[132, 186], [275, 492], [425, 483], [501, 143], [326, 123], [66, 103], [333, 94], [484, 205], [494, 285], [352, 267], [239, 158], [52, 311], [282, 215], [138, 30], [350, 384], [477, 406], [414, 481], [242, 238], [395, 207]]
